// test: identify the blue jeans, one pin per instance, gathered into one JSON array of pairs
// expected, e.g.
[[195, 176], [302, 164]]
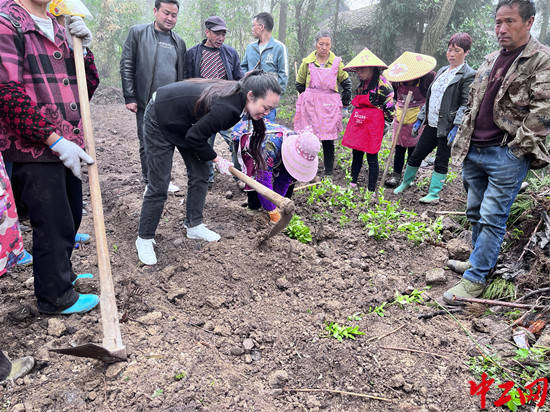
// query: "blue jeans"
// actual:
[[492, 178]]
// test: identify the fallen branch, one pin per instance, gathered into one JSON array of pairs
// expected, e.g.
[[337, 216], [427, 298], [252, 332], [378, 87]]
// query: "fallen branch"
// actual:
[[387, 334], [497, 303], [415, 350], [448, 212], [361, 395], [439, 312], [532, 293]]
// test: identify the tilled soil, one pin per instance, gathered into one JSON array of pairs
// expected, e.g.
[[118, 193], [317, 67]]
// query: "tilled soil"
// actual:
[[235, 326]]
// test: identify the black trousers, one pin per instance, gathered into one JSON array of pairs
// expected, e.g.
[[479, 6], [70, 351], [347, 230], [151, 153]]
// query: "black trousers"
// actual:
[[328, 156], [142, 154], [52, 198], [357, 164], [429, 141], [399, 157]]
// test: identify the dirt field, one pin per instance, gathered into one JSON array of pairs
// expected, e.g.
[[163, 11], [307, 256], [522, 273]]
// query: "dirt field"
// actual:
[[231, 326]]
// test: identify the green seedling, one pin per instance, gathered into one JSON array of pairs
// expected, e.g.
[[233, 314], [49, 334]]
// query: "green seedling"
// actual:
[[513, 314], [298, 230], [356, 317], [414, 297], [157, 392], [180, 376], [342, 332], [379, 310], [423, 183], [450, 177]]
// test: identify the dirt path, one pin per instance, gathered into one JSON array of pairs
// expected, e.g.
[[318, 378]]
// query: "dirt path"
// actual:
[[229, 326]]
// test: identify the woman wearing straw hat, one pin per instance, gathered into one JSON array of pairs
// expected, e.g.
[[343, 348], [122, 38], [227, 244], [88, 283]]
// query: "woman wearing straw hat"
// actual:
[[319, 106], [288, 157], [411, 72], [373, 106], [443, 112]]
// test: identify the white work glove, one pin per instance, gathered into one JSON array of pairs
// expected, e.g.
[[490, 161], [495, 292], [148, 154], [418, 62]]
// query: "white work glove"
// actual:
[[76, 27], [223, 165], [70, 155]]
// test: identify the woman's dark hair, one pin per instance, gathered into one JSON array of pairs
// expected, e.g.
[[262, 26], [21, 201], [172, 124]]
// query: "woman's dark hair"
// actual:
[[462, 40], [259, 83], [373, 82]]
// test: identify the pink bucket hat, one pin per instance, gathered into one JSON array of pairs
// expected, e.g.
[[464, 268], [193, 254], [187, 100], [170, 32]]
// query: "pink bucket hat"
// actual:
[[299, 152]]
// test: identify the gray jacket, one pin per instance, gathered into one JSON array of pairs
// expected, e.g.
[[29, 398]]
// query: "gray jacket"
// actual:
[[138, 62], [455, 99]]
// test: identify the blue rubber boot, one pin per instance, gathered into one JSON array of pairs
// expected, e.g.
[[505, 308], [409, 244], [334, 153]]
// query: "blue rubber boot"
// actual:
[[410, 173], [25, 259], [438, 180], [82, 238], [84, 304], [83, 276]]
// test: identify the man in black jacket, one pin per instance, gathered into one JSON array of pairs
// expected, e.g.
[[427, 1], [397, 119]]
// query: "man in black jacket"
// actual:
[[152, 56], [211, 59]]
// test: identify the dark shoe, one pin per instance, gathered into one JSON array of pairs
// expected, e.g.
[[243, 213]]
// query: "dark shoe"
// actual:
[[393, 180], [463, 289]]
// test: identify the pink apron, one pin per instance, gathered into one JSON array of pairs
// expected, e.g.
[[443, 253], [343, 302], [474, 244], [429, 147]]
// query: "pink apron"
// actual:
[[320, 106]]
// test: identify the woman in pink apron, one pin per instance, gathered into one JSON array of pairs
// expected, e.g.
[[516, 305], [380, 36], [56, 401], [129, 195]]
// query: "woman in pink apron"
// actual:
[[373, 106], [319, 106]]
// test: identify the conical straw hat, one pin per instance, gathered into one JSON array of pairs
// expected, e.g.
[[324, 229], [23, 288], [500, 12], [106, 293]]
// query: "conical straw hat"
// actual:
[[364, 59], [409, 66]]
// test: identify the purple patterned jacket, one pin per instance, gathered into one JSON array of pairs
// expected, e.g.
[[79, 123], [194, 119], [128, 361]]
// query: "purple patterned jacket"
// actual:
[[38, 88]]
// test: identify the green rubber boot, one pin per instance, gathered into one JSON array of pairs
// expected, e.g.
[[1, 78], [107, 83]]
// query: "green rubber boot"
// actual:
[[410, 173], [438, 180]]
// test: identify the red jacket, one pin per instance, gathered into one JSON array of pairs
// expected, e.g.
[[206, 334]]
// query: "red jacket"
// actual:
[[38, 88]]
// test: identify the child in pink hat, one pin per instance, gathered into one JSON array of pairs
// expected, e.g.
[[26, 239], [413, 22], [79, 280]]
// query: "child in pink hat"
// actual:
[[288, 158]]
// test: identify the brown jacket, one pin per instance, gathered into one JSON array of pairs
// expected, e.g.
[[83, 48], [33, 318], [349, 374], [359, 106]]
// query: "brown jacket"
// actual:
[[521, 108]]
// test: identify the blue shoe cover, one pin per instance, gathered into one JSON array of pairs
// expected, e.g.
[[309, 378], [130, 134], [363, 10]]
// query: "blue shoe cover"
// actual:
[[82, 238], [84, 304], [26, 259], [83, 276]]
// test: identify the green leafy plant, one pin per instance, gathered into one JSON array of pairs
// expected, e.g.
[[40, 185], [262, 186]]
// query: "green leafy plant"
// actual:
[[342, 332], [414, 297], [500, 289], [180, 376], [157, 392], [379, 310], [450, 177], [356, 317], [423, 183], [298, 230]]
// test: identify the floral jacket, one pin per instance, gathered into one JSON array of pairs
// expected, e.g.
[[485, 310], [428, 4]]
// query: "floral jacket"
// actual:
[[38, 89], [380, 95], [521, 108]]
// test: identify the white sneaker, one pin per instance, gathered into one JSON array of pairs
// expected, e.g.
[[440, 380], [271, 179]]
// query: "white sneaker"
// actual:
[[146, 253], [201, 232], [144, 190], [172, 188]]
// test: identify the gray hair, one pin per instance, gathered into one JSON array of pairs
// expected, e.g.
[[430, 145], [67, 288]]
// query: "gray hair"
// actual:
[[320, 34]]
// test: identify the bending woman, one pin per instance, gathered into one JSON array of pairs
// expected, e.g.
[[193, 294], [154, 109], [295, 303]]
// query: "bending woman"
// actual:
[[184, 115], [443, 112]]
